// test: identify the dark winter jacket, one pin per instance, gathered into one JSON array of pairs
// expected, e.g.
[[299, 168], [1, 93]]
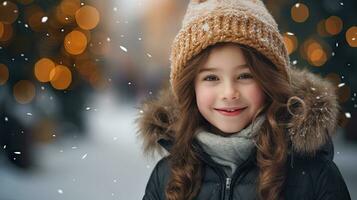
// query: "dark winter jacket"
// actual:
[[311, 172]]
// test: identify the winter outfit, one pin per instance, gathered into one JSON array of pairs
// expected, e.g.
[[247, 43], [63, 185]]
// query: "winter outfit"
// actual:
[[229, 166]]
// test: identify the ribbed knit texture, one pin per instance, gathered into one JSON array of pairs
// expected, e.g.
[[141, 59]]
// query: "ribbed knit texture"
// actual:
[[244, 22]]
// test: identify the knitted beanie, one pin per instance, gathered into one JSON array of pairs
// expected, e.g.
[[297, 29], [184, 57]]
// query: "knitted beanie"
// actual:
[[245, 22]]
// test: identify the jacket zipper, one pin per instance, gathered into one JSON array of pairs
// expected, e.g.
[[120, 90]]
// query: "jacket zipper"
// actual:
[[227, 188]]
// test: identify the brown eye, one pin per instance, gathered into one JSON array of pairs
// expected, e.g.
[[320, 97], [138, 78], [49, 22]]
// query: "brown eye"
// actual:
[[210, 78], [245, 76]]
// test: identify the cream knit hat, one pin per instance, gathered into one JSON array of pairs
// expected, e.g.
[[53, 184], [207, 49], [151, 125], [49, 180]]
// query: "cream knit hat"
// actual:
[[246, 22]]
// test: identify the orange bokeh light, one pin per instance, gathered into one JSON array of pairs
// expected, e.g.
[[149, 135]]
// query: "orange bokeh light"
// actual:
[[69, 7], [4, 74], [61, 77], [75, 42], [7, 33], [291, 42], [87, 17], [24, 91], [8, 12], [351, 36], [43, 69], [299, 12], [333, 25]]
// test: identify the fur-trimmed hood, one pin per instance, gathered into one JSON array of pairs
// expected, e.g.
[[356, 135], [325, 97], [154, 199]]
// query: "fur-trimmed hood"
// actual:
[[157, 116]]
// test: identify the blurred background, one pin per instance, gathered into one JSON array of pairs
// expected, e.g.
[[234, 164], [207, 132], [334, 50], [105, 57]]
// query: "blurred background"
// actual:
[[73, 74]]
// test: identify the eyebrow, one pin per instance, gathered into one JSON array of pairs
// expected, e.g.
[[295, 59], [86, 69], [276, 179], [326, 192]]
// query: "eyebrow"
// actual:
[[243, 66]]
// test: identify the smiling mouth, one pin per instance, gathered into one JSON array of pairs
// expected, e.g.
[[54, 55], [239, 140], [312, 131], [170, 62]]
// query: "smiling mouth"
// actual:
[[230, 112]]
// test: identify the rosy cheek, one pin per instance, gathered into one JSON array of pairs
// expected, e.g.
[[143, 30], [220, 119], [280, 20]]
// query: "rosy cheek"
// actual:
[[258, 96], [204, 97]]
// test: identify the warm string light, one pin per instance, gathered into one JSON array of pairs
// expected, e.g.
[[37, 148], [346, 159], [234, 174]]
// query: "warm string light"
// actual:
[[291, 42], [351, 36], [42, 70], [299, 12], [24, 91]]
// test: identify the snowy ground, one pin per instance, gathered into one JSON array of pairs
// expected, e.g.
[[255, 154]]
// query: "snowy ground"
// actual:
[[108, 164]]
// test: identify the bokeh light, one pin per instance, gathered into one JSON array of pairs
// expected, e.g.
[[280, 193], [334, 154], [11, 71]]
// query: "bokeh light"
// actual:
[[24, 91], [75, 42], [69, 7], [7, 33], [8, 12], [314, 52], [87, 17], [61, 77], [4, 74], [291, 42], [43, 68], [299, 12], [351, 36], [333, 25]]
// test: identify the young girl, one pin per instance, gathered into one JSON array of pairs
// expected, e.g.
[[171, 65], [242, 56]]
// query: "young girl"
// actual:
[[238, 122]]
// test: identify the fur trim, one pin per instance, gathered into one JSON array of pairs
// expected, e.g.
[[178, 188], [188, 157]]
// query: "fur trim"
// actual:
[[308, 133], [312, 127]]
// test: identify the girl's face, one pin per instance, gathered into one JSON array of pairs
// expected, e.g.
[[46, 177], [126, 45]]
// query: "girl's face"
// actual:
[[227, 95]]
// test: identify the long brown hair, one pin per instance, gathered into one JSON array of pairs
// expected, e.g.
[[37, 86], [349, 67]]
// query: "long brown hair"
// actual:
[[186, 167]]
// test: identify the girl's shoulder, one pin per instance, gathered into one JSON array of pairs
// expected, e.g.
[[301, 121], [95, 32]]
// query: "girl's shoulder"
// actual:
[[317, 177]]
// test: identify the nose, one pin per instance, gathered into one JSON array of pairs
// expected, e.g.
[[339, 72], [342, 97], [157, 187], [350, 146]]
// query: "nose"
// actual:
[[230, 91]]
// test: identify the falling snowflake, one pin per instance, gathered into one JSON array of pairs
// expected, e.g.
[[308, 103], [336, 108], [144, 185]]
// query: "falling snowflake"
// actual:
[[4, 147], [123, 48], [60, 191], [108, 39], [336, 44], [87, 108], [17, 152], [348, 115], [44, 19], [139, 38], [115, 9], [341, 85], [295, 62], [6, 119], [4, 3], [29, 114], [290, 33], [84, 156], [149, 55], [141, 111]]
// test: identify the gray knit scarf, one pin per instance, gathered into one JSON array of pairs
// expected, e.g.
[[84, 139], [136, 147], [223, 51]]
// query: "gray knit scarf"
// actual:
[[230, 151]]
